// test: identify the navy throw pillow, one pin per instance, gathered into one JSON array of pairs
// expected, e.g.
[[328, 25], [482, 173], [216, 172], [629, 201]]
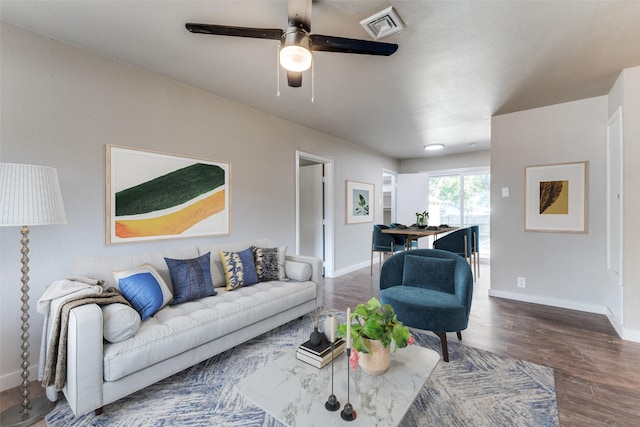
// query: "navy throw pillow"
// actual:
[[191, 278]]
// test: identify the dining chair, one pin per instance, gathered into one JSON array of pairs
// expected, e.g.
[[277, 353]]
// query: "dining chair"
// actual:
[[410, 244], [383, 243], [475, 249], [459, 242]]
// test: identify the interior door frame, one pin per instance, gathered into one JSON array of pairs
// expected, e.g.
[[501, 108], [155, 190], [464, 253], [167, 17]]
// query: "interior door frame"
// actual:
[[328, 207], [615, 291], [394, 193]]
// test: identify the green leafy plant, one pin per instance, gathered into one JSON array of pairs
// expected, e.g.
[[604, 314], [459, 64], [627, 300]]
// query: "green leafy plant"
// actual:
[[375, 321], [422, 217]]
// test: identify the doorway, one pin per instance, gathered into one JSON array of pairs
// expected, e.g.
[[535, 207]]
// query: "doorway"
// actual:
[[389, 204], [460, 200], [614, 221], [314, 207]]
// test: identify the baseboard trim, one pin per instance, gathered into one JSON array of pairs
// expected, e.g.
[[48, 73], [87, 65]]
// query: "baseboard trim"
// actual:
[[14, 379], [631, 335], [352, 268], [553, 302]]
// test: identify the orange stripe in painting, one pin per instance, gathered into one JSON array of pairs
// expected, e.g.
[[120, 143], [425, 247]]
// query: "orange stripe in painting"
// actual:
[[173, 223]]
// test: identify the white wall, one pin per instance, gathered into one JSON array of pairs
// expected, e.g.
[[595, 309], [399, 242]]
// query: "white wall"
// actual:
[[61, 105], [626, 93], [477, 159], [561, 269]]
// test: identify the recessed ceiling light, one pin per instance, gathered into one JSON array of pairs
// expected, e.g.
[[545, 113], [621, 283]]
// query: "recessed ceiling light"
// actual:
[[433, 147]]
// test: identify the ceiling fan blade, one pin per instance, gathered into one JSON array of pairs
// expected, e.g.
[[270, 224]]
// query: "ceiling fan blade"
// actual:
[[224, 30], [340, 44], [294, 79], [299, 13]]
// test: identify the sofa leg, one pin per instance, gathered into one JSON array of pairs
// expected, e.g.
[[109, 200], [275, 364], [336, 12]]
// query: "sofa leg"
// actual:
[[443, 341], [459, 334], [99, 411]]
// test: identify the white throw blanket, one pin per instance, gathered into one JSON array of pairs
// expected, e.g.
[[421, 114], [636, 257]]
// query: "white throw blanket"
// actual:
[[56, 294]]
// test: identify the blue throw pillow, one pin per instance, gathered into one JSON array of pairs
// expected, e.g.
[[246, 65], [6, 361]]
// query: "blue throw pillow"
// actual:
[[191, 278], [239, 268], [429, 273], [144, 289]]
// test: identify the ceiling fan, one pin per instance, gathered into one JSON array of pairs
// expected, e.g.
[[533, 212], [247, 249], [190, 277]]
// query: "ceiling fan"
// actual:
[[296, 42]]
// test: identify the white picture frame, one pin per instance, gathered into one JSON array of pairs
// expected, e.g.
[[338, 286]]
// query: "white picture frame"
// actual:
[[360, 198], [556, 197]]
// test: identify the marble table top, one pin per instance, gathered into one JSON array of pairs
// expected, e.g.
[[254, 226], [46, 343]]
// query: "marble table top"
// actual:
[[295, 393]]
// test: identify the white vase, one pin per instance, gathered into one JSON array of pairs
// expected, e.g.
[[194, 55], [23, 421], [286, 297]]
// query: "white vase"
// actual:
[[375, 362]]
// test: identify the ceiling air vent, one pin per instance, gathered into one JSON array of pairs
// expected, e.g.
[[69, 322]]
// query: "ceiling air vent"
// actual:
[[383, 23]]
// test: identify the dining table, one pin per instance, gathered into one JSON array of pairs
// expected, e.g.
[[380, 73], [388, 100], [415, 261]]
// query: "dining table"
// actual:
[[414, 232]]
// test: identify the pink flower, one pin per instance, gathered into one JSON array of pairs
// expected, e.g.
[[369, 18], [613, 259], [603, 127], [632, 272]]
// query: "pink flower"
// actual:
[[353, 360], [411, 340]]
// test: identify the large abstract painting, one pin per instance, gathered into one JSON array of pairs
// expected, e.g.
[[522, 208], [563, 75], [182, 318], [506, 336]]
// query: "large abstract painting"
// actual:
[[556, 197], [154, 196], [359, 202]]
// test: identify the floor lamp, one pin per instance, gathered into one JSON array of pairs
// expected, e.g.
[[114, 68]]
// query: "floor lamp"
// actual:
[[29, 195]]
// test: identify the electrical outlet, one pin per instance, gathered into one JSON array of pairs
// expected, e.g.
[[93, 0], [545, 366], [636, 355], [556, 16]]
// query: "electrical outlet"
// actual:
[[522, 282]]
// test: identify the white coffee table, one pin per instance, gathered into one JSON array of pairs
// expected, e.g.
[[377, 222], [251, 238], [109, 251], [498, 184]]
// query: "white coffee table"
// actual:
[[295, 393]]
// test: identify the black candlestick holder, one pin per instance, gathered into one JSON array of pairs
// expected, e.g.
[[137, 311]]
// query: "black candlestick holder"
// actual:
[[332, 403], [348, 414]]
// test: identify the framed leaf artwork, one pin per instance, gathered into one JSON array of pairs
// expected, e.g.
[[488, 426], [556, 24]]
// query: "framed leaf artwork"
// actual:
[[556, 198], [360, 197]]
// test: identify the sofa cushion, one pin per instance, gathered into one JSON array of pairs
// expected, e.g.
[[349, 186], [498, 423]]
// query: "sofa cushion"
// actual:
[[429, 273], [119, 322], [179, 328], [426, 309], [239, 268], [144, 289], [270, 263], [191, 278]]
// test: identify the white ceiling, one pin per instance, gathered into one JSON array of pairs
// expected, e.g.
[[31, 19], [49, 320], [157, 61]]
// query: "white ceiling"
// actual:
[[458, 63]]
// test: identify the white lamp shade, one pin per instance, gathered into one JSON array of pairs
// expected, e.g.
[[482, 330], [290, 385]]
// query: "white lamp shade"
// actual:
[[30, 195], [295, 58]]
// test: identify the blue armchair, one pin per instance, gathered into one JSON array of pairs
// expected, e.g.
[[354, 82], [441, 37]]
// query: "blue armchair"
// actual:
[[429, 289], [382, 243]]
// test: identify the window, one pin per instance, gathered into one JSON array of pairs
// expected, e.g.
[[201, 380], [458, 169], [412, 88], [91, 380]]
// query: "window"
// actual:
[[461, 200]]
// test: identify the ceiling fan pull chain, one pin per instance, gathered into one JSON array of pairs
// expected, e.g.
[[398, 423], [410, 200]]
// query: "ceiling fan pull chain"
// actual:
[[278, 71]]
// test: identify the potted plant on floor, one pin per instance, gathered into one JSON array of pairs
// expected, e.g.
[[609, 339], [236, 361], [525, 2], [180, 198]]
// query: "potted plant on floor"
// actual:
[[374, 326]]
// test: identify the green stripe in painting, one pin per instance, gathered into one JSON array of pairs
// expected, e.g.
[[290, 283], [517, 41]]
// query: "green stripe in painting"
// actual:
[[169, 190]]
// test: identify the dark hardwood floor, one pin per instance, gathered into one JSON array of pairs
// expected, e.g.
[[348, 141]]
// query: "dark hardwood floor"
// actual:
[[597, 374]]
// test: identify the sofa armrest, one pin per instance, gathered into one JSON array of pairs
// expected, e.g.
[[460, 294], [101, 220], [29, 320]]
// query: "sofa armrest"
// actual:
[[83, 388], [316, 272]]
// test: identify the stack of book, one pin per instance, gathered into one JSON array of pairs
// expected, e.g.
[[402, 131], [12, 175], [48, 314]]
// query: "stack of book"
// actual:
[[320, 355]]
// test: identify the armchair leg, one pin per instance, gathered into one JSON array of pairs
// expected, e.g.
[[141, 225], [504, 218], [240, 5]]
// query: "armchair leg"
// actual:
[[459, 334], [443, 341]]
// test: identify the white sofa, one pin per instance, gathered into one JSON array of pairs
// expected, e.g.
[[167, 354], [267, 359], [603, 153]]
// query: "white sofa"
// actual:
[[177, 336]]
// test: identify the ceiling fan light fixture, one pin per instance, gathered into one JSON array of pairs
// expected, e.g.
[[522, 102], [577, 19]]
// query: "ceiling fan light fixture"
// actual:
[[433, 147], [295, 54]]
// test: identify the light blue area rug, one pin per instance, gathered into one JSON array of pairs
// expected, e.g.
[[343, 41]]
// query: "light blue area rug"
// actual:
[[476, 388]]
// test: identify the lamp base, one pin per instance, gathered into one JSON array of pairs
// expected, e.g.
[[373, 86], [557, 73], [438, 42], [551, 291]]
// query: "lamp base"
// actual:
[[332, 403], [15, 417], [348, 414]]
